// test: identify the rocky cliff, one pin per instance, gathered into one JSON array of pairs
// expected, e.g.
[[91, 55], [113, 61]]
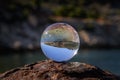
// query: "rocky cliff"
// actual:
[[93, 33]]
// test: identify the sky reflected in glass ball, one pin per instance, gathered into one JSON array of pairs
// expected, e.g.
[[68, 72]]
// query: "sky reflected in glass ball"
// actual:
[[60, 42]]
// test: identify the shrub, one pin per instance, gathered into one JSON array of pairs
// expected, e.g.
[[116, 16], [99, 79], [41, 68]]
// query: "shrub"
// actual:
[[70, 11]]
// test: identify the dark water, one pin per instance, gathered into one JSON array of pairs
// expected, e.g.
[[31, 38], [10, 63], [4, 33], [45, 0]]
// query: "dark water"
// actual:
[[105, 59]]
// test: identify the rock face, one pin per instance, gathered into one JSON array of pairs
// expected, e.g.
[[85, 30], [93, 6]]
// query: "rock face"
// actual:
[[26, 35], [96, 33], [49, 70], [19, 36]]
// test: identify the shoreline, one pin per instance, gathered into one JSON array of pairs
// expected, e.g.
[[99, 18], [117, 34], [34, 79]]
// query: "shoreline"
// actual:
[[22, 51]]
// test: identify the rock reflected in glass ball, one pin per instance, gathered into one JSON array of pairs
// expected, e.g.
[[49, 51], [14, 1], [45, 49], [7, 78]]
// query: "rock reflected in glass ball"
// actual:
[[60, 42]]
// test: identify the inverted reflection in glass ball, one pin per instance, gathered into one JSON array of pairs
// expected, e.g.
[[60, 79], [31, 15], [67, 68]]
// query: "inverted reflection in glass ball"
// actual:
[[60, 42]]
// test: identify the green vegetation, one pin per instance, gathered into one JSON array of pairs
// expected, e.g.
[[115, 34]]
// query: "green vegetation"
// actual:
[[70, 11], [18, 10], [21, 9], [80, 8], [64, 44]]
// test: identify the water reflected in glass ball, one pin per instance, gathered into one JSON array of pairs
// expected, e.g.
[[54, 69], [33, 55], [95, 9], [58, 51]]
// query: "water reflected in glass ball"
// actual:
[[60, 42]]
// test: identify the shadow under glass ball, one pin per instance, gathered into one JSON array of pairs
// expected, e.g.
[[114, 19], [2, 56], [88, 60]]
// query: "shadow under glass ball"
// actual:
[[60, 42]]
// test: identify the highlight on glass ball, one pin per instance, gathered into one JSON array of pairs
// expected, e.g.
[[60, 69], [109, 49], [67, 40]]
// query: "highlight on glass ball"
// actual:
[[60, 42]]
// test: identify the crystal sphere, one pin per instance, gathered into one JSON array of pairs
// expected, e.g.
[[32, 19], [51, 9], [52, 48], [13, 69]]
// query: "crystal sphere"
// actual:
[[60, 42]]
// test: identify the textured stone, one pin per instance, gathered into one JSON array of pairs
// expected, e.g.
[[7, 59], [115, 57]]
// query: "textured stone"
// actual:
[[49, 70]]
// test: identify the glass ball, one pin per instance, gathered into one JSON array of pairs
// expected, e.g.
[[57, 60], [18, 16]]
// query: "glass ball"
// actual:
[[60, 42]]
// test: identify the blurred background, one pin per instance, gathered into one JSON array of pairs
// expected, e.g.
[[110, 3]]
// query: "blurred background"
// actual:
[[97, 22]]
